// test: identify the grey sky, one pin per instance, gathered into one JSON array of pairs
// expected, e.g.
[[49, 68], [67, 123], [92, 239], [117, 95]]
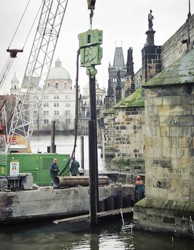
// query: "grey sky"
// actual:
[[124, 23]]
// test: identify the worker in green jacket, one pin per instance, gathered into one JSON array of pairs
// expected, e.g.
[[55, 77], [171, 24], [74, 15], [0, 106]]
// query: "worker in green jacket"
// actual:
[[54, 169], [74, 169]]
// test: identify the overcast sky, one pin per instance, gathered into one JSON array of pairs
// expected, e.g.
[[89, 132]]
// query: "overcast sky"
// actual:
[[124, 23]]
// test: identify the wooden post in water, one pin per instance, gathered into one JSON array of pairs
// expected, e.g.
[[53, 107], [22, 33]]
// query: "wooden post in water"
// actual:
[[93, 154], [53, 146], [82, 152]]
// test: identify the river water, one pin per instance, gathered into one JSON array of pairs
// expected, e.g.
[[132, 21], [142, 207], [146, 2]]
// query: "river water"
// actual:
[[112, 233]]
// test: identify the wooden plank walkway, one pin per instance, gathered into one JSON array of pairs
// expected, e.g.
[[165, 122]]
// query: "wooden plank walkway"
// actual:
[[99, 215]]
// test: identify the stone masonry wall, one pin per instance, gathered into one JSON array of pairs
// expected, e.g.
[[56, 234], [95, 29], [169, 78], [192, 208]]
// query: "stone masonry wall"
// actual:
[[169, 133], [109, 124], [173, 48], [129, 132]]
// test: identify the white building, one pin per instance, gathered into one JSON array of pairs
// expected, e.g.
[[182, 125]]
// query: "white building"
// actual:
[[100, 95], [58, 102]]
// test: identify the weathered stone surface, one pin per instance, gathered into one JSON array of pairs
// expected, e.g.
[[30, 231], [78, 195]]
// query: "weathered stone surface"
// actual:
[[162, 215]]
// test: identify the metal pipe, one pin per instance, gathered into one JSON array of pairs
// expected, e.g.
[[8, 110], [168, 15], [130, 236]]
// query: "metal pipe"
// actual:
[[72, 181]]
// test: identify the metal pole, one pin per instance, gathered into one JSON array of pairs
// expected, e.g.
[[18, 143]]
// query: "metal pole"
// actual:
[[93, 154]]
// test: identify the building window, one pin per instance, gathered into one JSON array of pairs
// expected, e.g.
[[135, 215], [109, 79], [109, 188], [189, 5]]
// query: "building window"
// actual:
[[56, 104], [48, 84], [67, 112], [46, 121], [56, 112], [68, 105], [56, 85], [46, 104], [56, 97], [67, 97], [46, 97], [67, 121], [46, 113]]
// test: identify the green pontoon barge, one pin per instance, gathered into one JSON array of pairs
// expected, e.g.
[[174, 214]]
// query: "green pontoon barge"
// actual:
[[18, 168]]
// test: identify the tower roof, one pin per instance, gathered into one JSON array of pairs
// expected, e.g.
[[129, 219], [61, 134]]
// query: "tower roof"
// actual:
[[58, 72], [14, 79], [118, 58]]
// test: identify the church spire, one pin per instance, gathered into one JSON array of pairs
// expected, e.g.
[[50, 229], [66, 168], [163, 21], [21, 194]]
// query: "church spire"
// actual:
[[118, 58]]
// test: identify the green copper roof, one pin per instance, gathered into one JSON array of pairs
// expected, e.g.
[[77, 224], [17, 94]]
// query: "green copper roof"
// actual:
[[180, 72], [136, 99]]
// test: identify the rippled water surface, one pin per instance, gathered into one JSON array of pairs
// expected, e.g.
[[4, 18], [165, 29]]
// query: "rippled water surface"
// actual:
[[107, 234]]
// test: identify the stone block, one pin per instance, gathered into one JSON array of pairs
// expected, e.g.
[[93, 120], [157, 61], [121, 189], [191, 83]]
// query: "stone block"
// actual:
[[157, 101], [164, 110], [176, 110], [186, 120], [164, 131]]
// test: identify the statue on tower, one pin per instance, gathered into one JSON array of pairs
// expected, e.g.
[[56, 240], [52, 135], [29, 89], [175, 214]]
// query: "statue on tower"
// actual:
[[150, 20]]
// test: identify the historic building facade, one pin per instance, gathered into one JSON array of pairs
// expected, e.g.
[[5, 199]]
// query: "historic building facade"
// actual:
[[58, 103]]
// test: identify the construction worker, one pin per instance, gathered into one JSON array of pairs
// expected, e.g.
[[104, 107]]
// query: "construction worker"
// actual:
[[139, 189], [54, 169], [74, 169]]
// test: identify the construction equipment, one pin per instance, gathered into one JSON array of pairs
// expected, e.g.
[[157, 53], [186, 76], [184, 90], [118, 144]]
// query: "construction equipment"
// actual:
[[38, 66], [14, 165], [8, 64]]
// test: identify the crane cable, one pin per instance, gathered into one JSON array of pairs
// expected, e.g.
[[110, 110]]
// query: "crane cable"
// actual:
[[6, 69], [32, 26], [14, 52], [19, 23], [65, 170]]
